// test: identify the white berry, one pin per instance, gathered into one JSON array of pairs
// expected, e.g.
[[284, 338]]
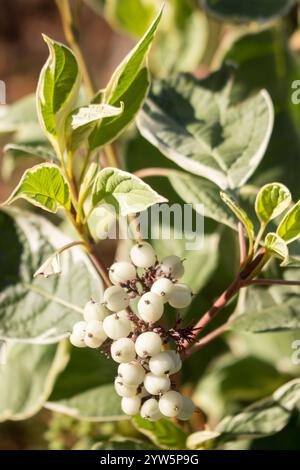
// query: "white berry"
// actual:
[[181, 296], [170, 403], [155, 384], [148, 344], [115, 298], [142, 255], [92, 341], [187, 409], [131, 373], [177, 363], [79, 328], [162, 287], [162, 363], [123, 350], [172, 265], [150, 410], [116, 326], [150, 307], [77, 340], [121, 272], [95, 329], [124, 390], [131, 405], [94, 311]]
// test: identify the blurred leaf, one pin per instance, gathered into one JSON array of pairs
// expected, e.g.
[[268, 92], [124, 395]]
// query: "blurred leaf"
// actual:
[[27, 378], [199, 264], [44, 186], [126, 192], [274, 308], [198, 440], [85, 389], [262, 418], [271, 200], [268, 53], [196, 190], [195, 124], [123, 444], [162, 433], [18, 115], [134, 17], [36, 309], [229, 379], [245, 10], [41, 151]]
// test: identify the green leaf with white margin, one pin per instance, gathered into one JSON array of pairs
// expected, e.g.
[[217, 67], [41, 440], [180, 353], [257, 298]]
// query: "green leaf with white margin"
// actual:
[[39, 310], [201, 439], [271, 200], [241, 215], [94, 112], [123, 444], [270, 309], [44, 186], [57, 92], [277, 247], [263, 418], [41, 151], [237, 10], [127, 193], [85, 388], [195, 123], [28, 377], [129, 84], [289, 227], [199, 191], [162, 433]]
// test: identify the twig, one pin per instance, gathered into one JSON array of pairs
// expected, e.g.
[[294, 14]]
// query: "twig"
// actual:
[[205, 340], [270, 282], [155, 171], [100, 268]]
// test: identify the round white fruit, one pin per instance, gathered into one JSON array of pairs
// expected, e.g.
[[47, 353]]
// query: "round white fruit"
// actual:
[[181, 296], [187, 409], [131, 405], [142, 255], [131, 373], [162, 287], [77, 340], [150, 307], [162, 363], [150, 410], [79, 328], [121, 272], [95, 329], [156, 385], [124, 390], [170, 403], [116, 326], [172, 265], [123, 350], [93, 341], [115, 298], [94, 311], [148, 344], [176, 361]]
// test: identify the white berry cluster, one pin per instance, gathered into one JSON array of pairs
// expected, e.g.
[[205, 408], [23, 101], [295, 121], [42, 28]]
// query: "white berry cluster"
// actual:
[[135, 341]]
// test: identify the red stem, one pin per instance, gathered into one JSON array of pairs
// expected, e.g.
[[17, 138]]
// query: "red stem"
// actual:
[[205, 340], [155, 171]]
